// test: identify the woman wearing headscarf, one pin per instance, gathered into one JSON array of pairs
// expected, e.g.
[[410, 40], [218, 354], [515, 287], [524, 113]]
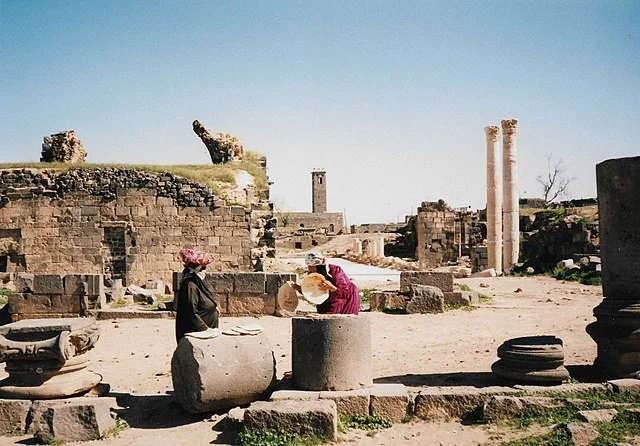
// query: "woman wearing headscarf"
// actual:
[[196, 307], [345, 299]]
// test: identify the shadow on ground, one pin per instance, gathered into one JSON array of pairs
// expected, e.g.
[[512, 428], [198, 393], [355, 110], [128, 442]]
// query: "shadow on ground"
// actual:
[[579, 373], [154, 411]]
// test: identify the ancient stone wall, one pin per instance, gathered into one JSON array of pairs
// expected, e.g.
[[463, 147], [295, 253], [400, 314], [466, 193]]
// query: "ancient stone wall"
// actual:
[[239, 293], [436, 237], [116, 222], [333, 222]]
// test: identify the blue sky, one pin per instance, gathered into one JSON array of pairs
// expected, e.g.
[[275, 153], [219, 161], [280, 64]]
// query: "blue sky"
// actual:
[[391, 98]]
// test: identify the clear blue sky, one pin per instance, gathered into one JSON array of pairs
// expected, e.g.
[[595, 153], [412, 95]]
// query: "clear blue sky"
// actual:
[[391, 98]]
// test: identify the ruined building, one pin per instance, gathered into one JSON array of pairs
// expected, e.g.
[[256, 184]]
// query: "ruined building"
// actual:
[[122, 223]]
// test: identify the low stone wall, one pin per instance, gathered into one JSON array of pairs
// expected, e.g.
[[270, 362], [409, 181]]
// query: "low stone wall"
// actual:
[[239, 293], [53, 295]]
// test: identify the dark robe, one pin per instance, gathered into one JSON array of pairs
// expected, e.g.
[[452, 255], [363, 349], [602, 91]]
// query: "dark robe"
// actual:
[[344, 300], [196, 306]]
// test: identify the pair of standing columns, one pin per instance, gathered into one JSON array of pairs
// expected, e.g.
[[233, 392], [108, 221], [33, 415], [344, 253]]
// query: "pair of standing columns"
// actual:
[[502, 251]]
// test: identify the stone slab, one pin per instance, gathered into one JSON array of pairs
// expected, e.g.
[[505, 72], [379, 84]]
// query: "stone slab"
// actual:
[[39, 409], [315, 417], [425, 299], [505, 406], [48, 284], [390, 401], [75, 421], [460, 298], [442, 280], [561, 388], [249, 283], [441, 403], [46, 325], [250, 305], [625, 385], [294, 395], [349, 402], [593, 416], [13, 416], [581, 433]]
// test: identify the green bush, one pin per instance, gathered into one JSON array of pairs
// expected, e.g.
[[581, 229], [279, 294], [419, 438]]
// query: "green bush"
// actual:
[[583, 275], [264, 437], [365, 422]]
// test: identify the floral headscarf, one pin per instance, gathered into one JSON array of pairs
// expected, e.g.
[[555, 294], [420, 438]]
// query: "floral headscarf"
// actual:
[[191, 256], [314, 259]]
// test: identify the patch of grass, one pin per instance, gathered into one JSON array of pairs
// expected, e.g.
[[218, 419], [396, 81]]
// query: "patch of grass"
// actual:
[[113, 431], [365, 422], [596, 399], [264, 437], [484, 298], [457, 306], [559, 436], [120, 303], [365, 295], [623, 425], [464, 287], [582, 275]]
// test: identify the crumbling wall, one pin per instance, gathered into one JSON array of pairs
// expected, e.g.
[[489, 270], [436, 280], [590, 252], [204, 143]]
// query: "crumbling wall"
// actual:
[[435, 226], [332, 222], [118, 222], [63, 147]]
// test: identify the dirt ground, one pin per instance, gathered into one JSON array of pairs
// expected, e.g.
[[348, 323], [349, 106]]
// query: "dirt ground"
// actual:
[[451, 349]]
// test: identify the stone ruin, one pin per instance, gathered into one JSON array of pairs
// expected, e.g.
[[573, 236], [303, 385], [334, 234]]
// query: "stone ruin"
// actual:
[[63, 147], [222, 147]]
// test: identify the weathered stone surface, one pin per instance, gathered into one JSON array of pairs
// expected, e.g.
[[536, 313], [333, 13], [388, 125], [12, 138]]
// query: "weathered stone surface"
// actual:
[[593, 416], [207, 376], [442, 280], [48, 284], [453, 402], [390, 401], [324, 356], [561, 388], [292, 394], [249, 305], [13, 416], [75, 422], [501, 406], [63, 147], [387, 301], [303, 417], [460, 298], [219, 282], [489, 272], [24, 283], [625, 385], [249, 283], [581, 433], [41, 418], [275, 281], [425, 299], [349, 402], [222, 147]]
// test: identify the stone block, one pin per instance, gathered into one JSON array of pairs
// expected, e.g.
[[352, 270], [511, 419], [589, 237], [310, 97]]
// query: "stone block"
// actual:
[[75, 421], [490, 272], [13, 416], [316, 417], [625, 385], [504, 407], [425, 299], [582, 434], [248, 305], [349, 402], [48, 284], [292, 394], [441, 403], [460, 298], [248, 283], [40, 419], [24, 283], [594, 416], [29, 304], [74, 284], [219, 282], [275, 281], [390, 401], [442, 280]]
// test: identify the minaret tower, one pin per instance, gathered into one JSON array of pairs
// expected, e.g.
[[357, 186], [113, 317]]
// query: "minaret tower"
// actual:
[[319, 192]]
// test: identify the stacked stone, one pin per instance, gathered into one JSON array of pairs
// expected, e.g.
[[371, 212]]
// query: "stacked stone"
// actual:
[[63, 147], [436, 227], [532, 359], [101, 182]]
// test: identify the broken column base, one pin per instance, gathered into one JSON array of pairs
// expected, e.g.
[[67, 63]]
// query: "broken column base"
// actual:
[[617, 333]]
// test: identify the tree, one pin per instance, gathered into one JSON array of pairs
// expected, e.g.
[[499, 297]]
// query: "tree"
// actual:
[[554, 183]]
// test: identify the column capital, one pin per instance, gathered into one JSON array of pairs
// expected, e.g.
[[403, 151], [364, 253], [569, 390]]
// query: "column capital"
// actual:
[[509, 126], [492, 132]]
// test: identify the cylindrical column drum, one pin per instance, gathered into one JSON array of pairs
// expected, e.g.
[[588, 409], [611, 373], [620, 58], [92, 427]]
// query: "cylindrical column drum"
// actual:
[[618, 315], [223, 372], [332, 352]]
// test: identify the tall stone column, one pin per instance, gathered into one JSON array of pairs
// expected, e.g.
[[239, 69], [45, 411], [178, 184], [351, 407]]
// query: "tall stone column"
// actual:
[[617, 326], [510, 217], [494, 200]]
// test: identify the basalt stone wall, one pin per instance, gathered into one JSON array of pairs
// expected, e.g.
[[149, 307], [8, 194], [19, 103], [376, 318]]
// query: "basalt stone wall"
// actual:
[[118, 222], [333, 222], [240, 293], [53, 295]]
